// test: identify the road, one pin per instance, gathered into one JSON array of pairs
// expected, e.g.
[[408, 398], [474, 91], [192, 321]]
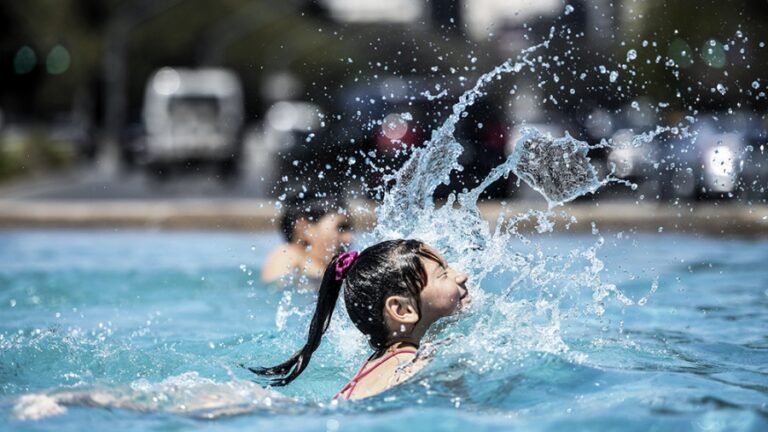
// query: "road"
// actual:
[[96, 182], [108, 181], [101, 195]]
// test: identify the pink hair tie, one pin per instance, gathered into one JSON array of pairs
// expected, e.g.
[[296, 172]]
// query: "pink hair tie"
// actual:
[[344, 262]]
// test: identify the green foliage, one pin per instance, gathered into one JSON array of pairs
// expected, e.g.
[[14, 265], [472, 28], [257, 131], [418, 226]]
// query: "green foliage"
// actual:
[[56, 34], [36, 152], [711, 42]]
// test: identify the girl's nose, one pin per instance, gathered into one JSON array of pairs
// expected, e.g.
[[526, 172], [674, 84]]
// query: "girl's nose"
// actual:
[[461, 277]]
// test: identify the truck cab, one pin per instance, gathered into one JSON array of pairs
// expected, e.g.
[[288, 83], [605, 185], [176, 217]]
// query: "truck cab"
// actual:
[[193, 117]]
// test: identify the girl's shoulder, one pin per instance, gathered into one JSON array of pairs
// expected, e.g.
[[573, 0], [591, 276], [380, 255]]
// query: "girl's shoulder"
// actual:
[[283, 260], [381, 374], [408, 367]]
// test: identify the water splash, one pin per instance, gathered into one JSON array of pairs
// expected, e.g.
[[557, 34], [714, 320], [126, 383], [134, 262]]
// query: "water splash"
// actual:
[[558, 169], [188, 394], [543, 290], [430, 166], [534, 292]]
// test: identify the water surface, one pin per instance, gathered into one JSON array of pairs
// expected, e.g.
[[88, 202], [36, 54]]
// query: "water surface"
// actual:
[[163, 319]]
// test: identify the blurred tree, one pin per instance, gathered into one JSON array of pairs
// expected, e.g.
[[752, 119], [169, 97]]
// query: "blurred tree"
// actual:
[[261, 38], [718, 49], [65, 36]]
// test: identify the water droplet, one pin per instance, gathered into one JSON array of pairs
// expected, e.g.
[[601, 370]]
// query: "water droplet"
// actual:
[[568, 9], [721, 88], [755, 85], [631, 55], [613, 76]]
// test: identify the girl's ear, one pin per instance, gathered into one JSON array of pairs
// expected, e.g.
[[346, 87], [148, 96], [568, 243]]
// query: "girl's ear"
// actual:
[[300, 232], [401, 310]]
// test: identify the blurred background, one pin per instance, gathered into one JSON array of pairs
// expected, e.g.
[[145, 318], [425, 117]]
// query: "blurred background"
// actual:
[[167, 99]]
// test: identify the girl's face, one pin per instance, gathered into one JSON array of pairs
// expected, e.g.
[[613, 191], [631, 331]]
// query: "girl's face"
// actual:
[[329, 235], [445, 291]]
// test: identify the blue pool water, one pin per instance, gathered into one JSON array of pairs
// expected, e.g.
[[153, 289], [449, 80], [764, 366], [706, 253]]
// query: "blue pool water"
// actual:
[[160, 321]]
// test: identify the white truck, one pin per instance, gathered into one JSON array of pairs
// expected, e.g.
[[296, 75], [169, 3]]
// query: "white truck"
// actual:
[[193, 117]]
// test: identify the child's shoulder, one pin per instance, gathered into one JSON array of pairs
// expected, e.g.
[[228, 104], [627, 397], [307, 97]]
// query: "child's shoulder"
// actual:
[[380, 375], [282, 260]]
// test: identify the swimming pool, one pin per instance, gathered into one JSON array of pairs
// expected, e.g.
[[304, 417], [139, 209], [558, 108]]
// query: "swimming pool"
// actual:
[[163, 320]]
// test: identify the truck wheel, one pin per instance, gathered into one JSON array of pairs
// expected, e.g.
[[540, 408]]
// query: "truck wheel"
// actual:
[[228, 171], [158, 172]]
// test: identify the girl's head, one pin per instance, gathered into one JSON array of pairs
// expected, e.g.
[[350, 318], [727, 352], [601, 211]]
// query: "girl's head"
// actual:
[[318, 222], [400, 284], [393, 291]]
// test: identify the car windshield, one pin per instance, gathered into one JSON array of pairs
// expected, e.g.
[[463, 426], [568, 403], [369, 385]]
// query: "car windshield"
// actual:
[[193, 111]]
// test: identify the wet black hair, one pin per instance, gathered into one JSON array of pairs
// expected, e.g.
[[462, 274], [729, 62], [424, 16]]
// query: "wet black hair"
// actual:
[[310, 206], [389, 268]]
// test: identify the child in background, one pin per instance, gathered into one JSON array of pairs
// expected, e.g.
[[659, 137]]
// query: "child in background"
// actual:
[[394, 291], [315, 229]]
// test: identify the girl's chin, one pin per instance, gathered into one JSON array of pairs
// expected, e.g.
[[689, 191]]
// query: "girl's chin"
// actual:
[[462, 304]]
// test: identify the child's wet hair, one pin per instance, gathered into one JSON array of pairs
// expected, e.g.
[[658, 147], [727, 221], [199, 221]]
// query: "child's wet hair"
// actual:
[[389, 268]]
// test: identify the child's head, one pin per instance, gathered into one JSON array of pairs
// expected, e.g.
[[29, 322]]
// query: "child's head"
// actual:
[[393, 291], [395, 286], [318, 222]]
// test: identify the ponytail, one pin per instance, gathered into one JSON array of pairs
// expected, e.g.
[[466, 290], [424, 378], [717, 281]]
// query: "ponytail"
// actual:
[[290, 369]]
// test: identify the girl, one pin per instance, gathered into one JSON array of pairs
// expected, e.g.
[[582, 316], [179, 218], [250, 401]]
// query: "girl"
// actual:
[[315, 229], [394, 291]]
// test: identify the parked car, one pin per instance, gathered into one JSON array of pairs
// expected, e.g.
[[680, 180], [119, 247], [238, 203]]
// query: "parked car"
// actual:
[[192, 116], [709, 165], [755, 169], [281, 146], [382, 121], [636, 164]]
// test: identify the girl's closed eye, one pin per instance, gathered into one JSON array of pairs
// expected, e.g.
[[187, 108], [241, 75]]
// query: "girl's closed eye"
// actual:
[[443, 270]]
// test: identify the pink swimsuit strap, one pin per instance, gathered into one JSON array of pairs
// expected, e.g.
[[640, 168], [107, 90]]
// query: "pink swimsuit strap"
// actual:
[[362, 373]]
